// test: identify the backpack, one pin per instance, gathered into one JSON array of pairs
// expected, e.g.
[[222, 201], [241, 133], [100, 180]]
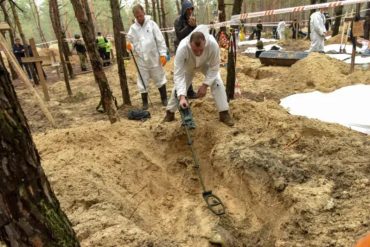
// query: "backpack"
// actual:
[[138, 115], [80, 47]]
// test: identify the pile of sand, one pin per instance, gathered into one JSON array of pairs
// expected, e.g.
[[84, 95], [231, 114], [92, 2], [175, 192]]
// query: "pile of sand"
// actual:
[[295, 45], [320, 72], [285, 180]]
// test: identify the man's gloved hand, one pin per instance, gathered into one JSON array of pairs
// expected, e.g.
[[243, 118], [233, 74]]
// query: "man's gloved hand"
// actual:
[[192, 21], [163, 60], [128, 46]]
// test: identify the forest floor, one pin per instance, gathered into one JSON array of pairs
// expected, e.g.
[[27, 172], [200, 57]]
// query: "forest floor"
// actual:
[[285, 180]]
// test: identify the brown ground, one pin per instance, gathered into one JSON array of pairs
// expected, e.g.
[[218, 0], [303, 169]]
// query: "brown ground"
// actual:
[[285, 180]]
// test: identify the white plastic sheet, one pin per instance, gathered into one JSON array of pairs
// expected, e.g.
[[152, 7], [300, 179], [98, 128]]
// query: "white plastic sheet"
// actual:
[[254, 42], [348, 106]]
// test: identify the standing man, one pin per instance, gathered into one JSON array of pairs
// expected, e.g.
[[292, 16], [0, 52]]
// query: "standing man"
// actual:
[[198, 52], [80, 48], [19, 52], [147, 41], [184, 25], [102, 41], [281, 29], [318, 30], [259, 28]]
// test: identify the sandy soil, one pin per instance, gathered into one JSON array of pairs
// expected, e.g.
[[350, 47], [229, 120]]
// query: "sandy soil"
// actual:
[[285, 180]]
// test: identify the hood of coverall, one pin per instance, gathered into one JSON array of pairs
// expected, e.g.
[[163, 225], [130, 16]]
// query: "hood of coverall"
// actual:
[[185, 5]]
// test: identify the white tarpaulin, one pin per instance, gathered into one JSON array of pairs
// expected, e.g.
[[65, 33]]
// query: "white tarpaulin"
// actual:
[[359, 60], [336, 48], [348, 106], [254, 42], [340, 57]]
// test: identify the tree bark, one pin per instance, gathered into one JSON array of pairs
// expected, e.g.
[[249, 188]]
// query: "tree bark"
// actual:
[[11, 36], [24, 41], [367, 22], [159, 14], [154, 11], [338, 13], [147, 9], [83, 16], [120, 43], [164, 25], [36, 16], [222, 14], [55, 21], [30, 214], [178, 7], [237, 7]]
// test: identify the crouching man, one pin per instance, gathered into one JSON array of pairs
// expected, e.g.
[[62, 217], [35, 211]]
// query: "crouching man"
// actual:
[[199, 51]]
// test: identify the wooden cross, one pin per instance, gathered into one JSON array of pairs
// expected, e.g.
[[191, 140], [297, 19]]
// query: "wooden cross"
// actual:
[[38, 60]]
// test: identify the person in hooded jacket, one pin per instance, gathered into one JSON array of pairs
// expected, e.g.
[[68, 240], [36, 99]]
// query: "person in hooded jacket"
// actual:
[[146, 40], [198, 52], [184, 25], [318, 31]]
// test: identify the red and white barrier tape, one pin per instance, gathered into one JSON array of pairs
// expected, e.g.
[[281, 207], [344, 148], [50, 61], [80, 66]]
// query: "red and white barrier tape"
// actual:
[[295, 9]]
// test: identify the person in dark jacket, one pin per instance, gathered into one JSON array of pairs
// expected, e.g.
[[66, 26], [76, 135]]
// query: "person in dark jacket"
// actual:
[[184, 25], [19, 52], [259, 28]]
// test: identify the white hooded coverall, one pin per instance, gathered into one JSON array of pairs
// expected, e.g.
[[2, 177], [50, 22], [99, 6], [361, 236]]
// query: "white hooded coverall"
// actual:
[[281, 30], [148, 44], [317, 25], [186, 64]]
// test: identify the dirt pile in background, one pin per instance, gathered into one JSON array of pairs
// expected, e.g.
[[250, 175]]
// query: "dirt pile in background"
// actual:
[[286, 181]]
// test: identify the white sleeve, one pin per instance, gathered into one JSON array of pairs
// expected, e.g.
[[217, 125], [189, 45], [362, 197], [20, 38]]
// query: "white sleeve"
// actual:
[[214, 64], [159, 39], [131, 38], [179, 71]]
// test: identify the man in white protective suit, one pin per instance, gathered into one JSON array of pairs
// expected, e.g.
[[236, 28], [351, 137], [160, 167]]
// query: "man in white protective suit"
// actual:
[[147, 41], [199, 51], [318, 30], [281, 29]]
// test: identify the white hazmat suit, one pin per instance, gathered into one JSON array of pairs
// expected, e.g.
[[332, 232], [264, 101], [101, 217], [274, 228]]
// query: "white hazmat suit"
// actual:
[[186, 64], [148, 44], [281, 30], [318, 30]]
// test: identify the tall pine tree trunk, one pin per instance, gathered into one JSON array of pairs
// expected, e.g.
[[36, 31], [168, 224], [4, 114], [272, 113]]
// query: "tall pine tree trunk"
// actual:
[[30, 214], [159, 13], [164, 25], [120, 43], [154, 11], [222, 14], [55, 21], [24, 41], [237, 8], [338, 13], [11, 35], [83, 16], [36, 16], [367, 22], [178, 7], [147, 8]]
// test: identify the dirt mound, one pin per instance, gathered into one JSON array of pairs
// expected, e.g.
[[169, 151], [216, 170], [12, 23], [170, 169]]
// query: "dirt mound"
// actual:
[[295, 45], [285, 180], [269, 170], [334, 40], [319, 71]]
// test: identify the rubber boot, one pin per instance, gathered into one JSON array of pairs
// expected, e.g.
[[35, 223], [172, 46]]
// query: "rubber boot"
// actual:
[[191, 94], [144, 97], [170, 116], [226, 118], [163, 93]]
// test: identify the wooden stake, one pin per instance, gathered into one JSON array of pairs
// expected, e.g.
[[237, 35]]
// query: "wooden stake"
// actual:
[[25, 79], [39, 70]]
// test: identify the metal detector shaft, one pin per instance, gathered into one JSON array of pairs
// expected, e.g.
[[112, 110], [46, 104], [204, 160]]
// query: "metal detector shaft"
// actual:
[[138, 70]]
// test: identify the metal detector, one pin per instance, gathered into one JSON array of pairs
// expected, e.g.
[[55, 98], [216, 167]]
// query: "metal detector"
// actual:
[[213, 202]]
